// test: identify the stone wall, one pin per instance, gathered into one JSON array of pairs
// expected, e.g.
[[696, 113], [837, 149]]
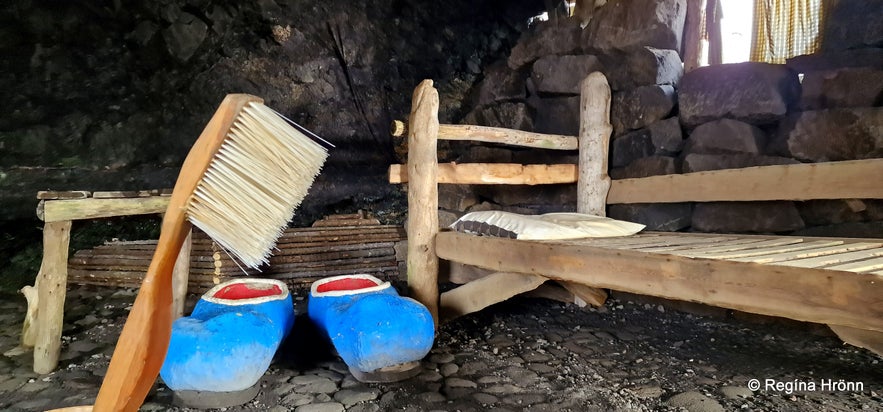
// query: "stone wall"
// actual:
[[814, 108]]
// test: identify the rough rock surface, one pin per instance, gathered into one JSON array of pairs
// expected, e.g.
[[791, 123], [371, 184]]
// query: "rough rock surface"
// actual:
[[742, 217], [642, 67], [667, 217], [546, 38], [522, 355], [639, 107], [697, 162], [835, 134], [756, 93], [646, 166], [726, 136], [627, 25], [563, 74], [853, 25], [849, 87]]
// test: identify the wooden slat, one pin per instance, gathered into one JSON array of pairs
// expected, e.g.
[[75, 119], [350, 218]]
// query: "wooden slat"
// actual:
[[56, 195], [796, 293], [765, 251], [688, 244], [496, 135], [807, 253], [495, 173], [830, 180], [859, 266], [691, 245], [481, 293], [715, 251], [75, 209], [833, 259]]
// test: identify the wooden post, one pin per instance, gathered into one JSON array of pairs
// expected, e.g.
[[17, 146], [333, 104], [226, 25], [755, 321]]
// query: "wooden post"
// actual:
[[693, 34], [180, 275], [423, 197], [51, 290], [594, 142]]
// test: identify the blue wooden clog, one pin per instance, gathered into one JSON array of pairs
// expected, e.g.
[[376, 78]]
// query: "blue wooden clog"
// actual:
[[380, 335], [218, 354]]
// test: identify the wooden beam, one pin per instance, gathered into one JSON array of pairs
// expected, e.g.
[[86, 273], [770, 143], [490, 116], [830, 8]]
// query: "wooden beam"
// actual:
[[853, 179], [423, 197], [494, 173], [692, 47], [594, 142], [586, 294], [481, 293], [92, 208], [812, 295], [180, 277], [495, 135]]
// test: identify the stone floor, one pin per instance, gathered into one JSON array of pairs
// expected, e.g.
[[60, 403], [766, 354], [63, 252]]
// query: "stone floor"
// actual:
[[526, 354]]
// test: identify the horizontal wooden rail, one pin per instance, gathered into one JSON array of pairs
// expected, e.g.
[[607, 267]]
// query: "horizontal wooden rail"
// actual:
[[854, 179], [812, 295], [495, 135], [494, 173], [92, 208]]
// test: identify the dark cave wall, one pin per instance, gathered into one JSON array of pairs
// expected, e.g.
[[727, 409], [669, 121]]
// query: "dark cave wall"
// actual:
[[109, 95]]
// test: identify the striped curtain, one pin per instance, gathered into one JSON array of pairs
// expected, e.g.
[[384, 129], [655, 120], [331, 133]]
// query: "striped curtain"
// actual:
[[786, 28]]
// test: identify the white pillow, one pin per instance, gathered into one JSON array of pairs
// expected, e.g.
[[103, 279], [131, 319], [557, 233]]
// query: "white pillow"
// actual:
[[543, 227]]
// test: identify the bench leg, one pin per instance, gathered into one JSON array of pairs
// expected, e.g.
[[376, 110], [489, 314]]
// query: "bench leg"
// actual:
[[51, 285], [180, 276]]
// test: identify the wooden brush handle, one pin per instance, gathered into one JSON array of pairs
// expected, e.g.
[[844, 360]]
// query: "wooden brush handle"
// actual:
[[142, 345]]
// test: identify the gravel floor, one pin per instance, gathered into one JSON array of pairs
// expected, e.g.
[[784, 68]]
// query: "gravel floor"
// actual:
[[526, 354]]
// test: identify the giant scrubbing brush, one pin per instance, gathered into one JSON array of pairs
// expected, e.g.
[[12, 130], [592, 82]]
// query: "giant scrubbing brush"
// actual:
[[240, 184]]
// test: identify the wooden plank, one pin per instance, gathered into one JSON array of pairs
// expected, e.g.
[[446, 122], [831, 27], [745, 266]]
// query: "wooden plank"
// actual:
[[775, 249], [494, 173], [820, 261], [585, 294], [180, 275], [696, 244], [75, 209], [689, 243], [714, 252], [423, 197], [594, 141], [56, 195], [481, 293], [829, 180], [811, 252], [860, 266], [812, 295], [495, 135]]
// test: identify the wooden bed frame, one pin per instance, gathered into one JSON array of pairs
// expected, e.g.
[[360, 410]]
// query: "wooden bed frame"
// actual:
[[833, 281]]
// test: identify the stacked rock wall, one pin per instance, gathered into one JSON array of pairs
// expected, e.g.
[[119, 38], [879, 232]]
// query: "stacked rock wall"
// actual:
[[814, 108]]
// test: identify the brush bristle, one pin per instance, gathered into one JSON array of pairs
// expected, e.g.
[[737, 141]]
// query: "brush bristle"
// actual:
[[258, 178]]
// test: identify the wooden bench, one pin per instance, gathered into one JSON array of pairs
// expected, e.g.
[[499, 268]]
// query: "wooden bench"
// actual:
[[838, 282], [43, 321]]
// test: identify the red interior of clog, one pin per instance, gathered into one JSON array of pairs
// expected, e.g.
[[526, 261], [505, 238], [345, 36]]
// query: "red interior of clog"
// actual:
[[346, 284], [239, 291]]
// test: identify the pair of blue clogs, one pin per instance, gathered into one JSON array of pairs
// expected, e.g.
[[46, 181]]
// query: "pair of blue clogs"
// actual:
[[218, 354]]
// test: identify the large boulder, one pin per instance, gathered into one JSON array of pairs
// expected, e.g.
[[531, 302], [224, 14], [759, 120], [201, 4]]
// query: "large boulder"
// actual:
[[756, 93], [834, 134], [637, 108], [726, 136], [560, 37], [629, 147], [642, 67], [646, 166], [667, 136], [853, 24], [563, 74], [632, 24], [848, 87]]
